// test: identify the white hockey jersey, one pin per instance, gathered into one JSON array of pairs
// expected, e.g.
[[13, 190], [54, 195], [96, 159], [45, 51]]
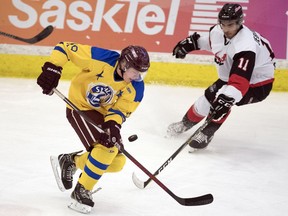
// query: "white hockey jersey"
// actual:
[[244, 61]]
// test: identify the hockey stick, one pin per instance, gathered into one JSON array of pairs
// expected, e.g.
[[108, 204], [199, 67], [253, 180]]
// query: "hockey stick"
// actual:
[[42, 35], [140, 184], [194, 201]]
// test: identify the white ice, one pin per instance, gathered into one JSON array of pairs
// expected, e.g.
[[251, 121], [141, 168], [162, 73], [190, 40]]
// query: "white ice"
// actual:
[[245, 167]]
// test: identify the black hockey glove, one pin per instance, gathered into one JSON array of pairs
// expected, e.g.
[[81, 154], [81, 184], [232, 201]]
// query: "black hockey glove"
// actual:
[[112, 135], [185, 46], [49, 78], [221, 107]]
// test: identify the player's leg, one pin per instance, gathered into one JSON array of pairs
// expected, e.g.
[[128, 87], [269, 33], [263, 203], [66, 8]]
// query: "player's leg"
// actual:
[[87, 134], [191, 118], [256, 94], [94, 164], [204, 137], [85, 131], [197, 111], [97, 163], [116, 165]]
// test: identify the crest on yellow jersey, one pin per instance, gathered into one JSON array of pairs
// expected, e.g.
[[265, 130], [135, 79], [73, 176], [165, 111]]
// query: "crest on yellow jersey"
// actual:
[[99, 94]]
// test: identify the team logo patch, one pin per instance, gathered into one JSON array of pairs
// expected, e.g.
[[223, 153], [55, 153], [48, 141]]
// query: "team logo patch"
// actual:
[[220, 59], [99, 94]]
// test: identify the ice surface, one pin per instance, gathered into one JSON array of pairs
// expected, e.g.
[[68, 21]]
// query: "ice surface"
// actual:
[[245, 166]]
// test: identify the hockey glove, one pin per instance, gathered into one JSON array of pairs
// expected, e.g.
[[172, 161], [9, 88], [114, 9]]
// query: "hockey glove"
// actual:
[[221, 107], [112, 129], [49, 78], [185, 46]]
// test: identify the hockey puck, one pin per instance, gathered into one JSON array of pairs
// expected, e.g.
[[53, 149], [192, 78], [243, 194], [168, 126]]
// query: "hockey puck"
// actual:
[[132, 138]]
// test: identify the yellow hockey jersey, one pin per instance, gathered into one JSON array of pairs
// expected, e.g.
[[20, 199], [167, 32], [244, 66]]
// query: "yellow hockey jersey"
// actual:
[[96, 86]]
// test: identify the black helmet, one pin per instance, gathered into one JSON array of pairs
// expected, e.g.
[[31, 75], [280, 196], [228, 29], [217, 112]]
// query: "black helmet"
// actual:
[[136, 57], [231, 12]]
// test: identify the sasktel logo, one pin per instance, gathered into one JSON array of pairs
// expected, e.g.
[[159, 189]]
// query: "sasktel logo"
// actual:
[[83, 15]]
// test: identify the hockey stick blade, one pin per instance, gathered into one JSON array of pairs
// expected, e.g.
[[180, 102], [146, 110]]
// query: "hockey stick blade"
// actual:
[[193, 201], [39, 37], [140, 184], [201, 200], [196, 201]]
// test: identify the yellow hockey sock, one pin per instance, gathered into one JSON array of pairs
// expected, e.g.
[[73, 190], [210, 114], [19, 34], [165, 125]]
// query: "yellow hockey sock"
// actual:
[[97, 163]]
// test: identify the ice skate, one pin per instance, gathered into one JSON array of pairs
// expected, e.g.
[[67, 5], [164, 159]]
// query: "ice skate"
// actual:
[[203, 137], [175, 129], [82, 200], [178, 128], [64, 168], [200, 141], [68, 168]]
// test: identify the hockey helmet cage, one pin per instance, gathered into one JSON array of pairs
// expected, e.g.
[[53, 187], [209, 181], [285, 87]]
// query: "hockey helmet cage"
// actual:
[[136, 57], [231, 12]]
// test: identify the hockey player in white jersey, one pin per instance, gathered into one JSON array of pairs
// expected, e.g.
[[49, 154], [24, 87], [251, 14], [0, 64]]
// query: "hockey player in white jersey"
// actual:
[[245, 67]]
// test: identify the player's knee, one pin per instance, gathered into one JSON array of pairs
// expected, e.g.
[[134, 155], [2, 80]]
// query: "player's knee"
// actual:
[[80, 160], [103, 154], [202, 106], [117, 164]]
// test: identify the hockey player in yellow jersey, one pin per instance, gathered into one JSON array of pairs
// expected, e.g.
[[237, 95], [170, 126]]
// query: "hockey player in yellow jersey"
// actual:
[[108, 89]]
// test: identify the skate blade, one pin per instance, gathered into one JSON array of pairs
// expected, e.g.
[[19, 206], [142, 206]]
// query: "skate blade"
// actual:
[[171, 135], [56, 170], [76, 206], [194, 150]]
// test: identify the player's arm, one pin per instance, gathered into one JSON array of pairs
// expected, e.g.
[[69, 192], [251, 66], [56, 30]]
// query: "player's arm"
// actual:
[[204, 41], [186, 45], [126, 104], [62, 53], [240, 75], [193, 42], [237, 86], [78, 54], [114, 119]]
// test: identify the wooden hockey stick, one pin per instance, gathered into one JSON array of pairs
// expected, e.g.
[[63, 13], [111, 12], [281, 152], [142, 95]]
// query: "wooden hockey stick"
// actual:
[[42, 35]]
